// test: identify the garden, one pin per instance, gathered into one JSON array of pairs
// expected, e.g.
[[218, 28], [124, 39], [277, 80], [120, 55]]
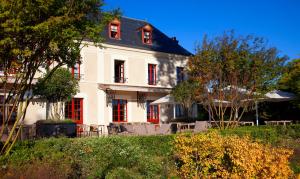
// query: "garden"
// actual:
[[264, 152]]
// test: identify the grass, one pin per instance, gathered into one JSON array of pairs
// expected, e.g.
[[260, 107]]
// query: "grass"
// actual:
[[121, 156]]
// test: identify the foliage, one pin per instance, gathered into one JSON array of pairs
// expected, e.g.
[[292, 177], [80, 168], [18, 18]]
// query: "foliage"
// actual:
[[37, 34], [267, 134], [184, 93], [290, 80], [232, 72], [60, 86], [109, 157], [211, 155], [56, 89]]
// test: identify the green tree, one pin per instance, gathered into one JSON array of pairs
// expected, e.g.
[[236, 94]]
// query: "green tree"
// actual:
[[35, 34], [232, 72], [56, 89], [184, 94], [290, 80]]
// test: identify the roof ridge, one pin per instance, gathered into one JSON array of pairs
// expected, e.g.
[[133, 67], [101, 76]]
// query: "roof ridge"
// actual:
[[134, 19]]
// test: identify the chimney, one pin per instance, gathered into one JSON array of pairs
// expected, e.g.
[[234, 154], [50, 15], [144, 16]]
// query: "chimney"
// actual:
[[174, 39]]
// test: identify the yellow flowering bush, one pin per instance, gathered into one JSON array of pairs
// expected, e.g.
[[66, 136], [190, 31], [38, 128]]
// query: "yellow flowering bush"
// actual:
[[212, 156]]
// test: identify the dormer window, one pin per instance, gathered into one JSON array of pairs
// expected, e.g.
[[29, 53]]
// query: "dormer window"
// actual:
[[147, 34], [114, 29]]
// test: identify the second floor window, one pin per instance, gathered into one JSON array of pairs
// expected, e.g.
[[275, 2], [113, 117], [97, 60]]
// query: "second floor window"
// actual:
[[152, 74], [119, 71], [114, 31], [179, 74], [76, 71]]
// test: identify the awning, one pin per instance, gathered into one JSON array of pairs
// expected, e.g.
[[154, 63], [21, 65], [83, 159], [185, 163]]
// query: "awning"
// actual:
[[168, 99], [278, 95], [124, 87]]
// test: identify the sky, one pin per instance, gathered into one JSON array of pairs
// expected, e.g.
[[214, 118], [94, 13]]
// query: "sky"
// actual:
[[189, 20]]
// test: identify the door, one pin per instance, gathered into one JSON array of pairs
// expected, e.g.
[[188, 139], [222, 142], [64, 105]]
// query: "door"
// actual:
[[74, 110]]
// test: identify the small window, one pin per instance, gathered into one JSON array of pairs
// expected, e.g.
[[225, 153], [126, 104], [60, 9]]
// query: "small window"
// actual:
[[114, 31], [119, 71], [76, 71], [179, 111], [147, 36], [179, 74], [152, 74], [152, 113]]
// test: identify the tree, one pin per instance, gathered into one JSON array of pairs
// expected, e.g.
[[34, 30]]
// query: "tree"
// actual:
[[56, 89], [35, 34], [184, 93], [232, 72], [290, 80]]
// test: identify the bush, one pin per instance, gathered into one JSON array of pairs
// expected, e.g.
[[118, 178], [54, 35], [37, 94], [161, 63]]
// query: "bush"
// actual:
[[211, 155], [267, 134], [109, 157]]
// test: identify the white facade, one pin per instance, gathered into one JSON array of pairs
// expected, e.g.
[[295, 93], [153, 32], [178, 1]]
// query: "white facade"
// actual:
[[97, 71]]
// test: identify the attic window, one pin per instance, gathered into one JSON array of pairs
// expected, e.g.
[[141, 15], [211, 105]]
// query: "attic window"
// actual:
[[147, 34], [114, 30]]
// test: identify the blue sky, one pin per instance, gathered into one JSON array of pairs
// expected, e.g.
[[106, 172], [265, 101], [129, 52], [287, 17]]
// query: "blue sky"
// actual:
[[188, 20]]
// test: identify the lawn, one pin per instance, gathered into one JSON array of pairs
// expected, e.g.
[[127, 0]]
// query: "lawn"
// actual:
[[121, 156]]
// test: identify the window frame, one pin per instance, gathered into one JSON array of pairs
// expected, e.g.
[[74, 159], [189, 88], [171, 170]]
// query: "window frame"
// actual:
[[121, 72], [152, 74], [118, 30], [118, 102], [179, 75], [150, 36], [76, 75], [150, 112], [70, 112]]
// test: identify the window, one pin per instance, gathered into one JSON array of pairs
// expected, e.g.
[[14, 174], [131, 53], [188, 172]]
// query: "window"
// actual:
[[114, 30], [179, 111], [119, 71], [76, 71], [152, 113], [119, 111], [74, 110], [147, 36], [151, 74], [179, 74]]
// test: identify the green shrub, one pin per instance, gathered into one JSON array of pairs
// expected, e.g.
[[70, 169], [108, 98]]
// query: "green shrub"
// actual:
[[268, 134], [137, 157]]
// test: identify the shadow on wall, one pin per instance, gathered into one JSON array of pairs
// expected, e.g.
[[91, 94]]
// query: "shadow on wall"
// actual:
[[167, 69]]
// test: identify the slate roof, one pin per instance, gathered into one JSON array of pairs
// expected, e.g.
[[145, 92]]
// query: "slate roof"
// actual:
[[131, 36]]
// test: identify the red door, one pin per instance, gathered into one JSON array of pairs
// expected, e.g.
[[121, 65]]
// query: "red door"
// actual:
[[74, 110], [152, 113]]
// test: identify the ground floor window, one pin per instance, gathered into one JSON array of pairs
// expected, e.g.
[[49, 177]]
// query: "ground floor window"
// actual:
[[152, 113], [119, 110], [74, 110], [179, 111]]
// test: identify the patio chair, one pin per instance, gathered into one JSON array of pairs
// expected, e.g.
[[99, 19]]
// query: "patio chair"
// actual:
[[96, 130], [82, 130]]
